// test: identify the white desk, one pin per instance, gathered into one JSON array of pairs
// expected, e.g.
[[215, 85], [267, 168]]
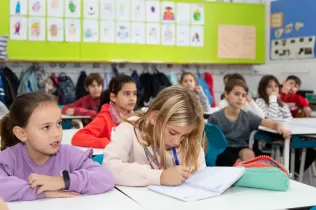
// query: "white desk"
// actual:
[[235, 198], [107, 201], [67, 136]]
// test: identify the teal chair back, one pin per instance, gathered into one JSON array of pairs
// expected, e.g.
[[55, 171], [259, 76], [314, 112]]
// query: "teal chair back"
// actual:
[[216, 143], [98, 158]]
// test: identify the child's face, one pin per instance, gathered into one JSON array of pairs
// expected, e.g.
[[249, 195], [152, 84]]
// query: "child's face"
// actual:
[[188, 82], [272, 87], [126, 98], [293, 86], [95, 89], [43, 133], [175, 134], [237, 97]]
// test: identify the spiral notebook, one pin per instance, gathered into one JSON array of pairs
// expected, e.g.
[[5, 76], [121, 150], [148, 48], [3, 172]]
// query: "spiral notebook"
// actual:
[[206, 183]]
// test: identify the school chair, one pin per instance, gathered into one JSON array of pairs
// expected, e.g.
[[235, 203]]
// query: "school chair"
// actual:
[[216, 143], [98, 158]]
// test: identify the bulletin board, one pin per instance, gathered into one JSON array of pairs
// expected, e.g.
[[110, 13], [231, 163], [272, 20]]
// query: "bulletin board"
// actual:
[[292, 29], [239, 18]]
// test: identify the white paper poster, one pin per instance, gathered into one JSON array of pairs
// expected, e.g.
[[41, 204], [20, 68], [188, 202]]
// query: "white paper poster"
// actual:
[[183, 35], [197, 14], [55, 29], [73, 8], [107, 31], [152, 11], [123, 31], [138, 33], [37, 8], [55, 8], [138, 10], [168, 34], [18, 7], [91, 9], [72, 30], [18, 28], [153, 33], [122, 10], [197, 36], [183, 13], [90, 30], [168, 11], [107, 10], [37, 29]]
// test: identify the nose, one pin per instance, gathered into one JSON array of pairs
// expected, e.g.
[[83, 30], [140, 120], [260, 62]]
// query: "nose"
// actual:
[[176, 141], [57, 132]]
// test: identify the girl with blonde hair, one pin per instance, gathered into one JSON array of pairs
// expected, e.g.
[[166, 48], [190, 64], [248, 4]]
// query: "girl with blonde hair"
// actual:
[[161, 146]]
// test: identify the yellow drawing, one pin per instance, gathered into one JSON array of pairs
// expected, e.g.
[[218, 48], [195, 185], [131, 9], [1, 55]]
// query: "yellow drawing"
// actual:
[[288, 28], [298, 26], [278, 33], [35, 29]]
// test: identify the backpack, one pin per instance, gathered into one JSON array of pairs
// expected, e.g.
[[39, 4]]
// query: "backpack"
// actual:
[[160, 82], [80, 88], [205, 87], [67, 89]]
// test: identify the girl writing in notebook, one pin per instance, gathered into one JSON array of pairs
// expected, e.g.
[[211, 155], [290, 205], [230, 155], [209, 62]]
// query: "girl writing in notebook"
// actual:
[[34, 164], [117, 104], [161, 146], [269, 99], [238, 124]]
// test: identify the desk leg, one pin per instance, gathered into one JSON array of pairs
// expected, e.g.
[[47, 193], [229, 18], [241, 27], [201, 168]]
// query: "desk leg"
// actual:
[[292, 168], [286, 153], [302, 165]]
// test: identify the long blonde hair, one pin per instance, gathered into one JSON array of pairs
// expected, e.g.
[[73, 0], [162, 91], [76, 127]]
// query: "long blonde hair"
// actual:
[[178, 106]]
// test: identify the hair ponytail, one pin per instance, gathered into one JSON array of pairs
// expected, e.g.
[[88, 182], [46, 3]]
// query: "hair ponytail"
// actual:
[[8, 139], [104, 99]]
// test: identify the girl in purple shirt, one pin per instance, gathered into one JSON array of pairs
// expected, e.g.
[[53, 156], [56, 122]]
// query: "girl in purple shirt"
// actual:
[[34, 164]]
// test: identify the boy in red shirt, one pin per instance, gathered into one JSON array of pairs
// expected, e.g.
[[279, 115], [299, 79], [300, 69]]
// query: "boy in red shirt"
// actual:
[[87, 105], [295, 101]]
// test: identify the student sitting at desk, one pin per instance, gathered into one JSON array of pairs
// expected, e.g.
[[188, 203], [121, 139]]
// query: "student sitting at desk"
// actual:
[[33, 163], [87, 105], [117, 103], [249, 105], [161, 146], [269, 99], [237, 124]]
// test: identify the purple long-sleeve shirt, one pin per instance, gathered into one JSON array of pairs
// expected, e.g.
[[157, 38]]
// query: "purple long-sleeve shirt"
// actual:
[[86, 176]]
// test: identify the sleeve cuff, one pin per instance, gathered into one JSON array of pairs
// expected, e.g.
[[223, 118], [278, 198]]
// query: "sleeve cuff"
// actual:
[[273, 99], [74, 183], [154, 177]]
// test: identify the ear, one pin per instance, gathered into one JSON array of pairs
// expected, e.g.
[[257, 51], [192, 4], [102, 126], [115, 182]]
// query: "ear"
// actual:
[[153, 117], [113, 97], [20, 133], [225, 94]]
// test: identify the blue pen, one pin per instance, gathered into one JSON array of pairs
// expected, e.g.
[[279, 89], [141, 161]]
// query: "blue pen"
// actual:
[[175, 155]]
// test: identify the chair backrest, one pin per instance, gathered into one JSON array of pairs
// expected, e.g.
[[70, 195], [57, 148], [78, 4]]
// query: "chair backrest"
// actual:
[[98, 159], [216, 143]]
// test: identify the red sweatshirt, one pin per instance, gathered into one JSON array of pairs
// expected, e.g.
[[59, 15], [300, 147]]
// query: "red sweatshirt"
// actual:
[[85, 106], [300, 102], [96, 134]]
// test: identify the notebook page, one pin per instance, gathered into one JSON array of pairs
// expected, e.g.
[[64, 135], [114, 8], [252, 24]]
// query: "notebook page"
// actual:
[[184, 192], [217, 179]]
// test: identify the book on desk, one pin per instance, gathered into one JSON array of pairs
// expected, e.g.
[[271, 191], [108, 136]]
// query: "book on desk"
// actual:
[[206, 183]]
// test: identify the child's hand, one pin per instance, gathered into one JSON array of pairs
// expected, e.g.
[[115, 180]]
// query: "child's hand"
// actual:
[[285, 132], [175, 175], [308, 111], [46, 183], [60, 194], [274, 94], [249, 99], [198, 89], [3, 206], [70, 112]]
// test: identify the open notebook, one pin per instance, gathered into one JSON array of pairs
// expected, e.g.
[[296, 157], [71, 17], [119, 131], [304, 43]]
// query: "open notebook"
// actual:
[[206, 183]]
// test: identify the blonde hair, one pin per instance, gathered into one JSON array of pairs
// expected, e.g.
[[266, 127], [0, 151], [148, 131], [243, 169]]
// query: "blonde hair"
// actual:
[[179, 106]]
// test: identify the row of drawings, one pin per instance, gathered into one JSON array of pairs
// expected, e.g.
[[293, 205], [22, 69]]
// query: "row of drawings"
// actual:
[[69, 30], [120, 10]]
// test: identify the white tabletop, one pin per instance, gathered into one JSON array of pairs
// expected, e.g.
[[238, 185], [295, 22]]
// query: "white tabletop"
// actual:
[[107, 201], [67, 136], [74, 117], [235, 198]]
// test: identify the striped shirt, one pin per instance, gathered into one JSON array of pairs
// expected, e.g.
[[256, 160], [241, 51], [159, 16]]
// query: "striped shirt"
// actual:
[[272, 110]]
